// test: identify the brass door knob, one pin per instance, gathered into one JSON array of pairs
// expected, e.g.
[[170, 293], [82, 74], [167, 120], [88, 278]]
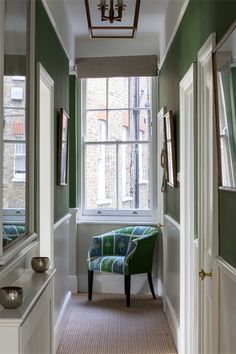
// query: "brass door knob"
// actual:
[[203, 274]]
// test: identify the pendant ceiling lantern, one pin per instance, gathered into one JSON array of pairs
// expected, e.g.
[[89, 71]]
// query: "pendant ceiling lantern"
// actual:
[[109, 12], [112, 16]]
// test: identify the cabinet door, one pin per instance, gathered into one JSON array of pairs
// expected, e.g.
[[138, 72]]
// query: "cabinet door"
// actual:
[[36, 333]]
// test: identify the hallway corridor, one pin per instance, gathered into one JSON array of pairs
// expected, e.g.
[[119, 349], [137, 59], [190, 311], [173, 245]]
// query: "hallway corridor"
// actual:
[[106, 325]]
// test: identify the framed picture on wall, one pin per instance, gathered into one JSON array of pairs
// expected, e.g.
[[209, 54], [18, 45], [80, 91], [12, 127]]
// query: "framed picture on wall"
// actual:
[[169, 134], [62, 162]]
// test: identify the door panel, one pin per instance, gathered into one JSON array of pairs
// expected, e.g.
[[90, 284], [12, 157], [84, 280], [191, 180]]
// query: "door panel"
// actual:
[[207, 199]]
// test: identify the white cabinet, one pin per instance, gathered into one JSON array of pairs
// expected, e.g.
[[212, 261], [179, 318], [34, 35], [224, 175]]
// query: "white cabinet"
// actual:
[[29, 328]]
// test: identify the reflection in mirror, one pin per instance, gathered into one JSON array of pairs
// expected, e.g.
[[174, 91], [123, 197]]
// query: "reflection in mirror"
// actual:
[[14, 124], [225, 97]]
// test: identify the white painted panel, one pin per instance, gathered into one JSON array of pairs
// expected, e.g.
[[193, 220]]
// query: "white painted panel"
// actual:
[[172, 275], [73, 251], [61, 263], [227, 322]]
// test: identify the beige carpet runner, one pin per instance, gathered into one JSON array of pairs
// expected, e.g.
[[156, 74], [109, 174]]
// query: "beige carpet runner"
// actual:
[[107, 326]]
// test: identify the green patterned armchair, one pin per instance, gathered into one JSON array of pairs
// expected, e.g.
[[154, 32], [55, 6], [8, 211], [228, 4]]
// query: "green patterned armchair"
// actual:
[[124, 251]]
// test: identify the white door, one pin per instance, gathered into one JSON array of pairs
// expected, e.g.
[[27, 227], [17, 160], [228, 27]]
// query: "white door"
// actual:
[[188, 249], [207, 202]]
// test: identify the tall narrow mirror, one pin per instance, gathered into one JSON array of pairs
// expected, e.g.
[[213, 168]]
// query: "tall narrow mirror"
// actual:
[[224, 62], [15, 117]]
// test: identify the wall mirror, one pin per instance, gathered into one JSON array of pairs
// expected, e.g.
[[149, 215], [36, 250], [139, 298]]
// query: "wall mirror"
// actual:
[[15, 118], [224, 64]]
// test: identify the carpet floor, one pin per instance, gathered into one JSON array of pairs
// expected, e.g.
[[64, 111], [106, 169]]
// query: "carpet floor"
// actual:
[[106, 326]]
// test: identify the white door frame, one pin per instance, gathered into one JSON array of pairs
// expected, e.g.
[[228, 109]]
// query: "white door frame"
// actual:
[[207, 203], [46, 164], [188, 296], [161, 208]]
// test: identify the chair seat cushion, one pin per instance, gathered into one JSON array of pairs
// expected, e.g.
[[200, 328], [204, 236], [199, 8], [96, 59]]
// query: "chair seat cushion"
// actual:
[[111, 264]]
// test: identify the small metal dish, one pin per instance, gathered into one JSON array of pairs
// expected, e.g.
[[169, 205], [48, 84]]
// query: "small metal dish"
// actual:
[[11, 297], [40, 264]]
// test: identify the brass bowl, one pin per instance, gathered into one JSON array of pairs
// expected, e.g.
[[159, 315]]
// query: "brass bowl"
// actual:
[[40, 264], [11, 297]]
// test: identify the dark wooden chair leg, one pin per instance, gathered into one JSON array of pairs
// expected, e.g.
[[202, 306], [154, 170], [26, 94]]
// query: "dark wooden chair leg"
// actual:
[[127, 289], [90, 284], [149, 274]]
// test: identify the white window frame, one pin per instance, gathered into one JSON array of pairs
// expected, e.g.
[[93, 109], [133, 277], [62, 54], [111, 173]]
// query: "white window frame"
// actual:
[[121, 215]]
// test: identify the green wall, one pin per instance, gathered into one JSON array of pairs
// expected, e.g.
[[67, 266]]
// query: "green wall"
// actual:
[[73, 150], [201, 18], [49, 52]]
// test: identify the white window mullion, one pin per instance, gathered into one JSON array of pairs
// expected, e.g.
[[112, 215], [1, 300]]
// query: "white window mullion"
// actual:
[[117, 181]]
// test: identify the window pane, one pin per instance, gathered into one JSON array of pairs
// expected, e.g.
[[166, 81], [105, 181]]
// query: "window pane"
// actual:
[[118, 92], [13, 190], [14, 110], [140, 92], [134, 176], [96, 94], [140, 122], [95, 129], [100, 176], [118, 125]]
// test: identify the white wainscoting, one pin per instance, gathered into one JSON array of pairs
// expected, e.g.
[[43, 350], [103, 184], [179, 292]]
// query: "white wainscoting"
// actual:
[[171, 265], [227, 307], [62, 293], [73, 278]]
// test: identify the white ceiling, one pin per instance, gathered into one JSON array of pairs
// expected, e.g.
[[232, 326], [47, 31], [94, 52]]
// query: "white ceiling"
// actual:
[[157, 22], [151, 16]]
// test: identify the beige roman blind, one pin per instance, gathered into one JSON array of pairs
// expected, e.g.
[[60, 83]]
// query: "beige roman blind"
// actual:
[[144, 65]]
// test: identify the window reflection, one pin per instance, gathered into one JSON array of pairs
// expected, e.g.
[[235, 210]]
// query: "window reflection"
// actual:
[[14, 120]]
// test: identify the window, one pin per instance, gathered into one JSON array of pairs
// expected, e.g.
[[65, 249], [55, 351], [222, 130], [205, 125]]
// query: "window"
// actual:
[[19, 165], [117, 147]]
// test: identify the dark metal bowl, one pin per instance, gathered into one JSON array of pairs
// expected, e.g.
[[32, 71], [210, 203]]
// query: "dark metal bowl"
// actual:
[[11, 296], [40, 264]]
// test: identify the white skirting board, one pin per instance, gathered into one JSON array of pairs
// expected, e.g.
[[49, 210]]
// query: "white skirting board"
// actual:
[[172, 321], [62, 321], [73, 284], [114, 284]]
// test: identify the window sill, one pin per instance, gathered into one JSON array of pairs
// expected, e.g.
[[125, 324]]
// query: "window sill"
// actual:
[[18, 180], [103, 201], [102, 219]]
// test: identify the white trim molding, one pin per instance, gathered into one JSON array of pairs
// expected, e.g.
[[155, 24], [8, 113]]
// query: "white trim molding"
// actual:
[[62, 320], [61, 221], [173, 322], [187, 212], [45, 114]]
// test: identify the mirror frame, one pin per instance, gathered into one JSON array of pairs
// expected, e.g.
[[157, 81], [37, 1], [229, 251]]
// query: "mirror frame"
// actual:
[[216, 105]]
